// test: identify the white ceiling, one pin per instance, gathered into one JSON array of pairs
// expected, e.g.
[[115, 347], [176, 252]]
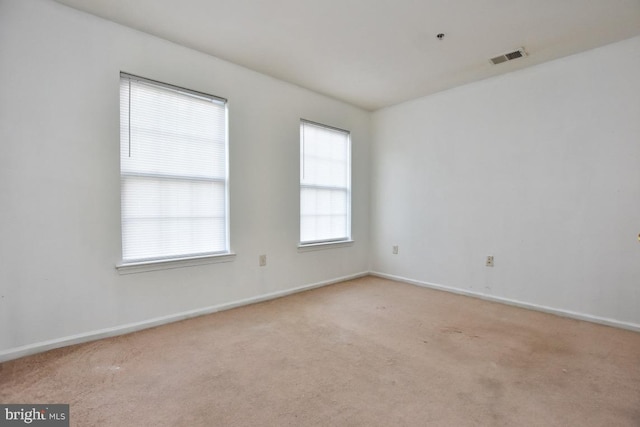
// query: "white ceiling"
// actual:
[[376, 53]]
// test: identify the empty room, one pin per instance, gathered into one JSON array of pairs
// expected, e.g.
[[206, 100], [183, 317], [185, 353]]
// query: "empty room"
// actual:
[[320, 213]]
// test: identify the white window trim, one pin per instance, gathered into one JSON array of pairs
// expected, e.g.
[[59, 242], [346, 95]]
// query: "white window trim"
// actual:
[[338, 242], [333, 244], [166, 264], [129, 267]]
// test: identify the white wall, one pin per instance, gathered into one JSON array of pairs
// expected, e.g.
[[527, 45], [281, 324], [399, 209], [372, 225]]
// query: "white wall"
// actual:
[[540, 168], [60, 187]]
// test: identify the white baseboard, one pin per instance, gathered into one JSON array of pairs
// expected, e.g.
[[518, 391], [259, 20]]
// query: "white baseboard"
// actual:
[[27, 350], [559, 312]]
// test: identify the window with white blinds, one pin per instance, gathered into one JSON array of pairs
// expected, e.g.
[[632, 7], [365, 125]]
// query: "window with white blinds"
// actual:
[[325, 184], [173, 169]]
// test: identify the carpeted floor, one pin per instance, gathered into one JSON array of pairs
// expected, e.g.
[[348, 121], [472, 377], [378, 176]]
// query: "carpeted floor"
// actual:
[[368, 352]]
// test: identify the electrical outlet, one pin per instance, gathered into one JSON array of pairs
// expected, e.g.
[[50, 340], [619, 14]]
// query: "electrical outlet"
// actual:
[[490, 261], [263, 260], [395, 249]]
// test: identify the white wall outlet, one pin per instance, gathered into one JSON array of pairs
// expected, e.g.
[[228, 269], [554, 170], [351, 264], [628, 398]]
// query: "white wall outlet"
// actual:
[[490, 261], [395, 249], [263, 260]]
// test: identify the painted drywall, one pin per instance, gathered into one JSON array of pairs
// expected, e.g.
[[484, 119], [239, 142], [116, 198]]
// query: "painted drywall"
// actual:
[[60, 186], [539, 168]]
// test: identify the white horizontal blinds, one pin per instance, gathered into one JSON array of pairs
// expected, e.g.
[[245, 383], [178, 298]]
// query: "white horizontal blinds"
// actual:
[[173, 164], [324, 183]]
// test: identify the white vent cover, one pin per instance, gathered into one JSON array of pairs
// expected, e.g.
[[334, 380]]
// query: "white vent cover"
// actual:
[[520, 53]]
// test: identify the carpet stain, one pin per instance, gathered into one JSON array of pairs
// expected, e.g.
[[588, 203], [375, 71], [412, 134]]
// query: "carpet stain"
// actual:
[[451, 330], [492, 386]]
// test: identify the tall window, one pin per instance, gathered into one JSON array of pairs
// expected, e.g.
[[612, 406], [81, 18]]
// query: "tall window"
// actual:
[[173, 170], [325, 184]]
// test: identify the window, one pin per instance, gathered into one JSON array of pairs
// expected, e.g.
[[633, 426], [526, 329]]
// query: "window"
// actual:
[[325, 184], [173, 170]]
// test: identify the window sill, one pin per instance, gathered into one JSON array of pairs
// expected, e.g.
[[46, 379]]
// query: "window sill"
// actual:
[[143, 266], [325, 245]]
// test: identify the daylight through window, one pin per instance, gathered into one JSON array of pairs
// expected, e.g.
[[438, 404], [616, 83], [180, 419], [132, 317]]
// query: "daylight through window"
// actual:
[[173, 168], [325, 184]]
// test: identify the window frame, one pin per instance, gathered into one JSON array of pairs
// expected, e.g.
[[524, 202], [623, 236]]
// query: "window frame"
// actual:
[[134, 265], [312, 245]]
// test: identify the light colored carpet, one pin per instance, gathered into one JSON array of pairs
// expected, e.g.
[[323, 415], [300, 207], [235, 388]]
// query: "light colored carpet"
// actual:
[[368, 352]]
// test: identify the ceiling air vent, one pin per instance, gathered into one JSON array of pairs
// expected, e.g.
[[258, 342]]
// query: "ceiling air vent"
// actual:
[[509, 56]]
